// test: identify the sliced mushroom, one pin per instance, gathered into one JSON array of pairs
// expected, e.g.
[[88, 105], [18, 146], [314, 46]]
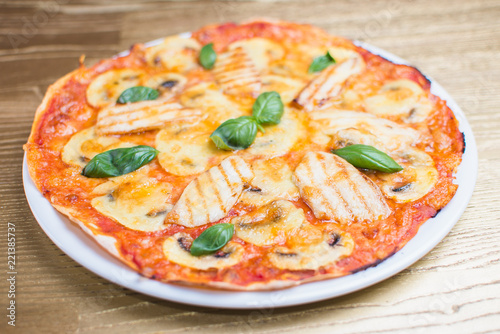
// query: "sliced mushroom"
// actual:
[[269, 224], [175, 53], [237, 74], [107, 87], [402, 98], [86, 144], [273, 180], [313, 250], [262, 51], [168, 84], [334, 189], [416, 179], [328, 84], [278, 139], [135, 200], [187, 150], [176, 249], [217, 106], [212, 194]]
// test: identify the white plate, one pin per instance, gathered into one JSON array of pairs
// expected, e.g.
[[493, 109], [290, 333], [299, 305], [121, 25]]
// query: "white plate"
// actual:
[[75, 243]]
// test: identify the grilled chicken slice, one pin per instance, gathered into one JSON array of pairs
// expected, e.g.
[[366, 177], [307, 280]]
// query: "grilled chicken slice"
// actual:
[[262, 51], [212, 194], [392, 135], [269, 224], [335, 190], [312, 250], [236, 73], [328, 84], [142, 116], [177, 249]]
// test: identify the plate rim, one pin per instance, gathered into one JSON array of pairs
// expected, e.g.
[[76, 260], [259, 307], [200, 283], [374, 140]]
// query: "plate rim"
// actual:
[[67, 235]]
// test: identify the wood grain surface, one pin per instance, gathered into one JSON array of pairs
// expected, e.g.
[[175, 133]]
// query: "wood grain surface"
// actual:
[[455, 288]]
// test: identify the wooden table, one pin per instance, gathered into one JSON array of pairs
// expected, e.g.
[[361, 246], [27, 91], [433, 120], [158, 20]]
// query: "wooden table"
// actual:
[[455, 288]]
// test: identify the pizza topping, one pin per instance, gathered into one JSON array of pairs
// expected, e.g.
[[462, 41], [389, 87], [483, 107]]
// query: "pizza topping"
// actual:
[[415, 181], [321, 62], [239, 133], [365, 156], [334, 189], [400, 98], [107, 87], [119, 161], [85, 144], [136, 94], [176, 250], [287, 86], [237, 74], [269, 224], [207, 56], [186, 149], [142, 116], [262, 51], [212, 239], [135, 200], [175, 53], [212, 194], [328, 84], [391, 135], [273, 180], [320, 249]]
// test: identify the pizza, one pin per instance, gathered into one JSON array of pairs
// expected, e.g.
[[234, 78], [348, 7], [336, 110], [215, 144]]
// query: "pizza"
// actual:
[[248, 156]]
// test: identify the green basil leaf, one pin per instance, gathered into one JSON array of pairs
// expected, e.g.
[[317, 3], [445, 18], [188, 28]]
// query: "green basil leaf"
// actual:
[[137, 93], [321, 62], [235, 134], [119, 161], [208, 56], [212, 239], [268, 108], [365, 156]]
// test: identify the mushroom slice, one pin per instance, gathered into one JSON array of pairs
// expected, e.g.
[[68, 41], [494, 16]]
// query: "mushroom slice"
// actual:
[[217, 106], [334, 189], [212, 194], [273, 180], [278, 139], [269, 224], [177, 249], [261, 51], [107, 87], [328, 84], [401, 98], [135, 200], [86, 144], [416, 179], [167, 84], [391, 134], [236, 73], [187, 150], [142, 116], [287, 87], [315, 249], [175, 53]]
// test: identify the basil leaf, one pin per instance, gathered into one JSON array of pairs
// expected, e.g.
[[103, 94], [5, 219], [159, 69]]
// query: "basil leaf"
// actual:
[[268, 108], [212, 239], [208, 56], [137, 93], [321, 62], [235, 134], [365, 156], [119, 161]]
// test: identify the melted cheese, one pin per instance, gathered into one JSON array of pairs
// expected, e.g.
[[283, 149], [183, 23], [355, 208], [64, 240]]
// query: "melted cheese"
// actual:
[[107, 87], [261, 51], [175, 54], [134, 200]]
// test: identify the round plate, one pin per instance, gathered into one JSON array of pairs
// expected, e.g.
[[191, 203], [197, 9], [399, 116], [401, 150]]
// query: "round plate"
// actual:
[[72, 240]]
